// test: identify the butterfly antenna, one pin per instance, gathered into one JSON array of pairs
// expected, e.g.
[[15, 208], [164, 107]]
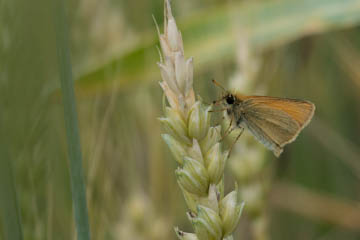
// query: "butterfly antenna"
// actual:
[[219, 85]]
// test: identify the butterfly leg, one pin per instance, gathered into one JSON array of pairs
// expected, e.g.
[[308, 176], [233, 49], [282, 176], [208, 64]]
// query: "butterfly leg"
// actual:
[[228, 130], [218, 110], [237, 138], [218, 123]]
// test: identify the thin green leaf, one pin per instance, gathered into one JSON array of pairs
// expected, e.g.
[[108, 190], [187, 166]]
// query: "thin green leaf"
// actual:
[[71, 123]]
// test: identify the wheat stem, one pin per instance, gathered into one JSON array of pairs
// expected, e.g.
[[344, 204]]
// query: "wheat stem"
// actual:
[[194, 144]]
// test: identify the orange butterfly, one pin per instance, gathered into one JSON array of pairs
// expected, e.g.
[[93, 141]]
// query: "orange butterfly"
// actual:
[[273, 121]]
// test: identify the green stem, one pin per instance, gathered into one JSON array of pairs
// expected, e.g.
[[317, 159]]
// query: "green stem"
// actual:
[[71, 122]]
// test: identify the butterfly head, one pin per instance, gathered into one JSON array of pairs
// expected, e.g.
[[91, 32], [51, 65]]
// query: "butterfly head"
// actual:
[[229, 99]]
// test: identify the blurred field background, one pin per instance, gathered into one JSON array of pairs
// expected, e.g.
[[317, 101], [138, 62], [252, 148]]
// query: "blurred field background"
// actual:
[[308, 49]]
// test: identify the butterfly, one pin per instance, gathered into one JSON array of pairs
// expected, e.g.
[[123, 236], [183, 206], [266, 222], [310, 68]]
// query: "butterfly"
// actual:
[[273, 121]]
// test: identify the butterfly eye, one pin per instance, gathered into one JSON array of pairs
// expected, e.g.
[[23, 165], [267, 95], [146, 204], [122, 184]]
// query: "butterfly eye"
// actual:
[[230, 99]]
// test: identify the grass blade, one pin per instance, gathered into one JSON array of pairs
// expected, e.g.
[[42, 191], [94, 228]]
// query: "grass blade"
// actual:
[[71, 123], [10, 214]]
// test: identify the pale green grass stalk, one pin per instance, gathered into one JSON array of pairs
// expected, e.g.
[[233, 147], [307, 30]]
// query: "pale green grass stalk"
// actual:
[[248, 160], [194, 144], [71, 123]]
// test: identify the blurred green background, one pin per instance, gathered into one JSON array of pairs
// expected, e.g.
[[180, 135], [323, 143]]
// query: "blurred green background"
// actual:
[[309, 49]]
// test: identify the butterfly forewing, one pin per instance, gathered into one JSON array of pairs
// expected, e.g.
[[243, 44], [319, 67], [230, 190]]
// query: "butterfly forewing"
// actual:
[[299, 110], [276, 121]]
